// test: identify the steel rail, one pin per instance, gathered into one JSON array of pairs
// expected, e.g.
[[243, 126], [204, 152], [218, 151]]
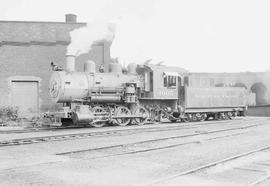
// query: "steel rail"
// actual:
[[160, 139], [182, 124], [213, 164], [48, 138]]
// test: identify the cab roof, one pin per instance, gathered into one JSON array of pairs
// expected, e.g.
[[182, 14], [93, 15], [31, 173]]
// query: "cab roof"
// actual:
[[166, 68]]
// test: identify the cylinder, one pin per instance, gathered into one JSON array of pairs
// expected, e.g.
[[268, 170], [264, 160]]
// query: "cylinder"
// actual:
[[70, 63], [116, 68], [89, 66], [131, 68], [82, 114], [71, 18]]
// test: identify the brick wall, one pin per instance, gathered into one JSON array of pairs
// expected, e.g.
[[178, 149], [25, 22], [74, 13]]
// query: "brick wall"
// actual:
[[27, 50]]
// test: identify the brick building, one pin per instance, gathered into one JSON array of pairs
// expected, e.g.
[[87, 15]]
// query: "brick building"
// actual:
[[26, 50]]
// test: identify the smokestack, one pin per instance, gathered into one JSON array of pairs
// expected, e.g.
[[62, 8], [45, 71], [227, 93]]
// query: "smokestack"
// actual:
[[70, 63], [71, 18]]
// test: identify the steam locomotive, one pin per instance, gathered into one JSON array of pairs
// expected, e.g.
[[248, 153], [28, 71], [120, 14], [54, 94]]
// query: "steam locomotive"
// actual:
[[140, 94]]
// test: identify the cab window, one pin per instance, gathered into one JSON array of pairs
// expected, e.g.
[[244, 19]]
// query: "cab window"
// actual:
[[151, 81], [165, 81], [169, 81], [186, 81]]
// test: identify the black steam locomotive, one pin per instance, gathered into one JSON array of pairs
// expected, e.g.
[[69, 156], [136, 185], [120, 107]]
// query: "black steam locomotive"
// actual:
[[140, 94]]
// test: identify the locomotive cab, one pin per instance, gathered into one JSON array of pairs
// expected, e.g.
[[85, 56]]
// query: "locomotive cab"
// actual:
[[162, 90], [161, 82]]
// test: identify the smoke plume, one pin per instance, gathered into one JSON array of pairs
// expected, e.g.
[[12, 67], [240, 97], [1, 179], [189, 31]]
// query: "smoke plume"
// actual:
[[155, 36], [82, 39], [196, 35]]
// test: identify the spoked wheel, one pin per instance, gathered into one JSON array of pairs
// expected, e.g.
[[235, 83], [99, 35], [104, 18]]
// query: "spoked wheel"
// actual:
[[141, 111], [221, 116], [98, 111], [186, 118], [192, 117], [162, 116], [230, 115], [122, 111], [203, 117], [227, 115], [153, 115], [176, 116]]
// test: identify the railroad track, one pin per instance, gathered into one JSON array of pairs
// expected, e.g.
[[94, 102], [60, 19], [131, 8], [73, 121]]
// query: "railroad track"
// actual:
[[139, 143], [50, 138], [60, 128], [221, 162], [30, 130], [165, 139]]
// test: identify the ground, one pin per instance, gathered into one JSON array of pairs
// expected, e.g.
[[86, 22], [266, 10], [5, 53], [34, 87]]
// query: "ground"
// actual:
[[149, 155]]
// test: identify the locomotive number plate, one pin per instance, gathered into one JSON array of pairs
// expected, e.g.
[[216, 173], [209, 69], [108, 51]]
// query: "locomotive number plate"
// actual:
[[166, 93]]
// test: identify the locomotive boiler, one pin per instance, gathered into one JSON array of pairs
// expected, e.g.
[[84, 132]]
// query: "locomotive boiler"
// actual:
[[71, 86], [138, 94]]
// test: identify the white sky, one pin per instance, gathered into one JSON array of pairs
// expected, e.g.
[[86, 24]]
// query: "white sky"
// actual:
[[204, 36]]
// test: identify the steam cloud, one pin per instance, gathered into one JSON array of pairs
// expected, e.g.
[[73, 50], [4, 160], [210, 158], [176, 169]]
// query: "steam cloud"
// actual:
[[188, 34], [155, 36], [134, 38], [82, 39]]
